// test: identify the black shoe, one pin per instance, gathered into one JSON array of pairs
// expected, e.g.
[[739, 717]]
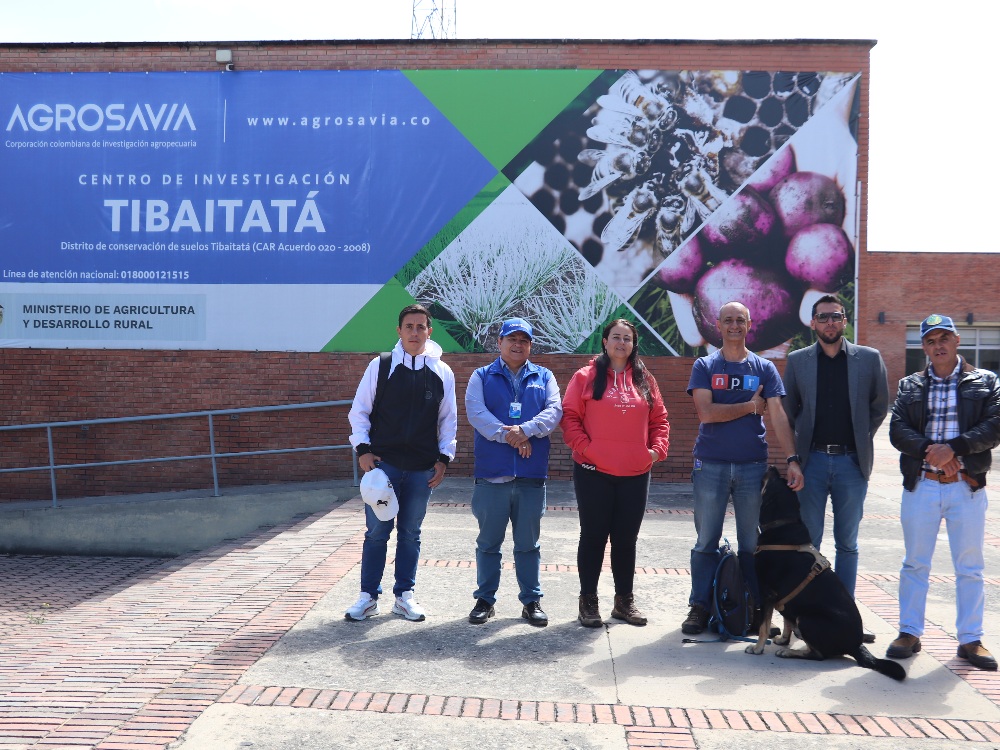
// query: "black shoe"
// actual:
[[532, 612], [696, 621], [867, 636], [976, 654], [481, 612]]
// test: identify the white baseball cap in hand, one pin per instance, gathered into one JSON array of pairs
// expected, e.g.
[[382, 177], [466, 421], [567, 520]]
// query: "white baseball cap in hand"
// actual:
[[376, 490]]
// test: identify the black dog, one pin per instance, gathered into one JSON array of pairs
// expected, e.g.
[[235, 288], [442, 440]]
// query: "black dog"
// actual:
[[797, 581]]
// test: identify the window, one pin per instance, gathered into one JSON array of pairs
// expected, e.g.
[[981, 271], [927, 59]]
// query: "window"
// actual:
[[980, 346]]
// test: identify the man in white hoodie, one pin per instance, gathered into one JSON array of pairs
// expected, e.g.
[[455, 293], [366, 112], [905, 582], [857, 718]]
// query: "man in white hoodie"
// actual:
[[408, 431]]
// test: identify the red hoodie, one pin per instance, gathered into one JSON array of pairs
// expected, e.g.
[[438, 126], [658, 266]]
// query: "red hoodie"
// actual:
[[616, 432]]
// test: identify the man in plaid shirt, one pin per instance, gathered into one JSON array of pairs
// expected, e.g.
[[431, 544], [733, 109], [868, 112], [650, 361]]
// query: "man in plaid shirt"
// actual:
[[945, 422]]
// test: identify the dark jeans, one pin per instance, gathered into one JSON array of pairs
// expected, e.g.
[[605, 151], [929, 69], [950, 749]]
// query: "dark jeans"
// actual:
[[610, 508], [413, 495]]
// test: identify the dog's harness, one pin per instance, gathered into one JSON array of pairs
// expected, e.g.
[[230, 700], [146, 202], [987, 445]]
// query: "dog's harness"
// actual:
[[820, 564]]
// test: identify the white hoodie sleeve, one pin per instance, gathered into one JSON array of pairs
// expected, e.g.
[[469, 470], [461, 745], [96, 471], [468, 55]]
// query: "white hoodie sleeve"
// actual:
[[447, 414], [361, 409]]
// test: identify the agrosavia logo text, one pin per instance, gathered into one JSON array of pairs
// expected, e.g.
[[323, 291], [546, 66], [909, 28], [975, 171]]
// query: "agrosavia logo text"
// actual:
[[91, 117]]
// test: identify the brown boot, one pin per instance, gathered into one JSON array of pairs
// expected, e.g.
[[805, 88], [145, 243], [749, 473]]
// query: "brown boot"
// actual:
[[590, 611], [976, 654], [626, 610], [903, 647]]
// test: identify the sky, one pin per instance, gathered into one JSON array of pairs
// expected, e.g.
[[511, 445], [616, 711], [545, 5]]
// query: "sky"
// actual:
[[928, 58]]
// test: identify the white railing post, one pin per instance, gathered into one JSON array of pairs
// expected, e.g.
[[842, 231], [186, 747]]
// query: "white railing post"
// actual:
[[211, 445], [52, 467]]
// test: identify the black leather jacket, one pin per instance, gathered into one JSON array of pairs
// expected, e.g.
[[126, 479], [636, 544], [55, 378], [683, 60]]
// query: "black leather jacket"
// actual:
[[978, 423]]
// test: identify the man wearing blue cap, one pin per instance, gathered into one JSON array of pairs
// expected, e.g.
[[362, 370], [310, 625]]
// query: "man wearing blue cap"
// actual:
[[514, 405], [945, 422]]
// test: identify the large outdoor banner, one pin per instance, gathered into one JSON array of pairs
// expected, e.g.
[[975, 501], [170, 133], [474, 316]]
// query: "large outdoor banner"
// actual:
[[301, 210]]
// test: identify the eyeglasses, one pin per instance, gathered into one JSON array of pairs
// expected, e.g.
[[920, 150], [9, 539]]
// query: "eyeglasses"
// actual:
[[824, 317]]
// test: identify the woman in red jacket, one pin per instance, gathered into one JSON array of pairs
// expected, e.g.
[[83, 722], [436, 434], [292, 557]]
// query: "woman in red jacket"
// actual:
[[616, 424]]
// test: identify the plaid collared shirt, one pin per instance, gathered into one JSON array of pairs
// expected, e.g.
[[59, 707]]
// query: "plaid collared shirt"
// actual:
[[942, 408]]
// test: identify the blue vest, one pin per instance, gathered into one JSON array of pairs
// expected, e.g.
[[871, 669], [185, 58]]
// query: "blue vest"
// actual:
[[499, 459]]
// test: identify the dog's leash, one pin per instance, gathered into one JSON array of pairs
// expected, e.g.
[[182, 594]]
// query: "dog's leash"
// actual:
[[774, 632], [720, 639]]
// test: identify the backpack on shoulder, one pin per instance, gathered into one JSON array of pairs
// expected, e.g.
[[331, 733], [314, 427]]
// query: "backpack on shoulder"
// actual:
[[384, 364]]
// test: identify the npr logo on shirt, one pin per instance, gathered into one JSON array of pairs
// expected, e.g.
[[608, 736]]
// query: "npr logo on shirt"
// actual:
[[724, 382]]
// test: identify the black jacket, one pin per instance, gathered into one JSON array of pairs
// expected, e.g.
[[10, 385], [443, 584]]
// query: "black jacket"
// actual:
[[978, 423], [415, 421]]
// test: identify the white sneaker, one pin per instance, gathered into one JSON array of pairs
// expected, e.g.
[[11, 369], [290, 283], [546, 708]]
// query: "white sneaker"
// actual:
[[363, 608], [408, 606]]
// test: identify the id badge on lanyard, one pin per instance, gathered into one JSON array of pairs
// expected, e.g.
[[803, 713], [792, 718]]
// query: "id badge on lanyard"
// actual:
[[515, 410]]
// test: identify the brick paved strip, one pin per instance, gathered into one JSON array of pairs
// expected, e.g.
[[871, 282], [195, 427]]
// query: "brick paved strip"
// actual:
[[642, 716], [565, 713], [733, 720], [660, 717], [574, 509], [556, 567], [831, 724], [508, 709], [654, 723], [984, 729], [772, 721], [675, 739], [936, 643], [889, 726], [397, 704], [686, 572], [202, 620], [471, 708], [491, 708], [416, 704], [870, 726]]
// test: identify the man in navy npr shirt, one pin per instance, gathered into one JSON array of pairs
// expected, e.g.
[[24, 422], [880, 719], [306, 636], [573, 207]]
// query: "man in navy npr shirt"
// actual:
[[731, 389]]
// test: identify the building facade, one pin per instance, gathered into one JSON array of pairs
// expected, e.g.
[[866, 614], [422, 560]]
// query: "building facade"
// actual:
[[893, 291]]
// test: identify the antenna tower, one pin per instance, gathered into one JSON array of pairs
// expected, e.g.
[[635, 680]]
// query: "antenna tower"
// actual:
[[434, 19]]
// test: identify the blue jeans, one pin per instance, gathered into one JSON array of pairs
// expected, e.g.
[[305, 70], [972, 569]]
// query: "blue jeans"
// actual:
[[413, 493], [714, 483], [839, 478], [964, 514], [522, 502]]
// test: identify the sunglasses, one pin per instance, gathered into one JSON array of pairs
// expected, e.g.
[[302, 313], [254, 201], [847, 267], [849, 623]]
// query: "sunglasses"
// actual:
[[825, 317]]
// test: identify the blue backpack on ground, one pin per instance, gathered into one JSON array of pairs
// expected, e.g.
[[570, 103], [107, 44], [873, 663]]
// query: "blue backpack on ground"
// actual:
[[733, 605], [731, 612]]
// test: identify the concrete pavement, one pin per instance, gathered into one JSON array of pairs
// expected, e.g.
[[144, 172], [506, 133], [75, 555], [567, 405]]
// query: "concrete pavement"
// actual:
[[244, 645]]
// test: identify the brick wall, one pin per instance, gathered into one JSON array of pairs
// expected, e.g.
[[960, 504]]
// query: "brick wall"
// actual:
[[48, 386], [62, 385], [908, 287], [488, 54]]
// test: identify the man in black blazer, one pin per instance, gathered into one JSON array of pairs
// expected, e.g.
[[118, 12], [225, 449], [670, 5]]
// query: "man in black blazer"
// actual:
[[836, 396]]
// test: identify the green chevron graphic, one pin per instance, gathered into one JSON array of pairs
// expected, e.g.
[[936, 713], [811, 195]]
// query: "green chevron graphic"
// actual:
[[500, 111], [373, 328]]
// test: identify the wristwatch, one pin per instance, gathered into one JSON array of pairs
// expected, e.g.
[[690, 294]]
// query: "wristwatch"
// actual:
[[796, 458]]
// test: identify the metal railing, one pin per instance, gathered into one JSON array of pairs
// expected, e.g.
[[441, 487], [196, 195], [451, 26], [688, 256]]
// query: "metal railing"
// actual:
[[212, 455]]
